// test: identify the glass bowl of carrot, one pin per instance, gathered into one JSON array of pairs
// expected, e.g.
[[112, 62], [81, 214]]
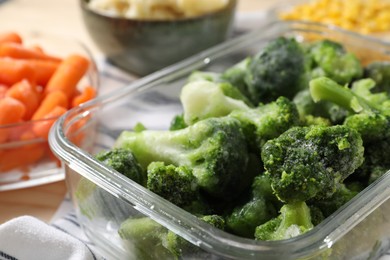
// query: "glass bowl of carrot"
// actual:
[[41, 77]]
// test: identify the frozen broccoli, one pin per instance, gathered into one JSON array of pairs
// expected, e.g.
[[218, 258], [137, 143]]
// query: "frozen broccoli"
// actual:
[[204, 75], [123, 161], [310, 162], [94, 201], [177, 123], [294, 219], [329, 205], [214, 149], [308, 109], [144, 233], [369, 115], [176, 184], [330, 59], [204, 99], [236, 75], [267, 121], [261, 206], [380, 73], [280, 69]]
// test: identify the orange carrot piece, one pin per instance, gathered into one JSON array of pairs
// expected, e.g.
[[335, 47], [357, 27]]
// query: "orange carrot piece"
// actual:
[[12, 71], [86, 94], [18, 51], [68, 74], [21, 157], [10, 37], [11, 111], [44, 69], [3, 90], [50, 101], [37, 48], [25, 92], [41, 128]]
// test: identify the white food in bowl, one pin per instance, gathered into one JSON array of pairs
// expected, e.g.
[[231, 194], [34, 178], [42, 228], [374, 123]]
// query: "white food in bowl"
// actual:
[[157, 9]]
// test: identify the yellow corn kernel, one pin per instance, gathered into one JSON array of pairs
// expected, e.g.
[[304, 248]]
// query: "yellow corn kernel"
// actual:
[[359, 15]]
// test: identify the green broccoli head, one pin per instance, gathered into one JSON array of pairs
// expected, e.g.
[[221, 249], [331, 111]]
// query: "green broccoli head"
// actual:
[[124, 162], [310, 162], [329, 205], [335, 62], [214, 149], [177, 123], [278, 70], [176, 184], [369, 115], [203, 99], [142, 234], [267, 121], [379, 71], [294, 220], [204, 75], [261, 206], [308, 109], [216, 221], [236, 74]]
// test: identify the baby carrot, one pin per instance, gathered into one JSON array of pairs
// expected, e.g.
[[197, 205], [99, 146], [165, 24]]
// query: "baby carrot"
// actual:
[[3, 90], [86, 94], [41, 128], [18, 51], [68, 74], [11, 111], [12, 71], [25, 92], [44, 69], [50, 101], [10, 37], [21, 157]]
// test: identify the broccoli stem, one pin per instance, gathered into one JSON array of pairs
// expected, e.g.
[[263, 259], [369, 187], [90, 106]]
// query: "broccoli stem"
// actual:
[[323, 88], [297, 213]]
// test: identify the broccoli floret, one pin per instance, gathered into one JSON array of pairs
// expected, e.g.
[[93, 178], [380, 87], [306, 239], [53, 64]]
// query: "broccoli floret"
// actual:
[[294, 219], [370, 116], [236, 76], [310, 162], [329, 205], [267, 121], [204, 99], [144, 233], [176, 184], [214, 149], [257, 210], [124, 162], [308, 109], [139, 127], [94, 201], [333, 61], [380, 73], [204, 75], [278, 70], [216, 221], [177, 123]]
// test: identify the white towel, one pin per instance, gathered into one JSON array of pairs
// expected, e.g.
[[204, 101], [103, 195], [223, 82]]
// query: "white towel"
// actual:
[[27, 237]]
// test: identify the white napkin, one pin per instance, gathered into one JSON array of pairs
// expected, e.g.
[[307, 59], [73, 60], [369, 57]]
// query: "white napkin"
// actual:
[[27, 237]]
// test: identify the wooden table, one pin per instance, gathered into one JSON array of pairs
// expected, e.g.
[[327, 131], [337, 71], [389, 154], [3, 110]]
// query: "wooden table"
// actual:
[[60, 17]]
